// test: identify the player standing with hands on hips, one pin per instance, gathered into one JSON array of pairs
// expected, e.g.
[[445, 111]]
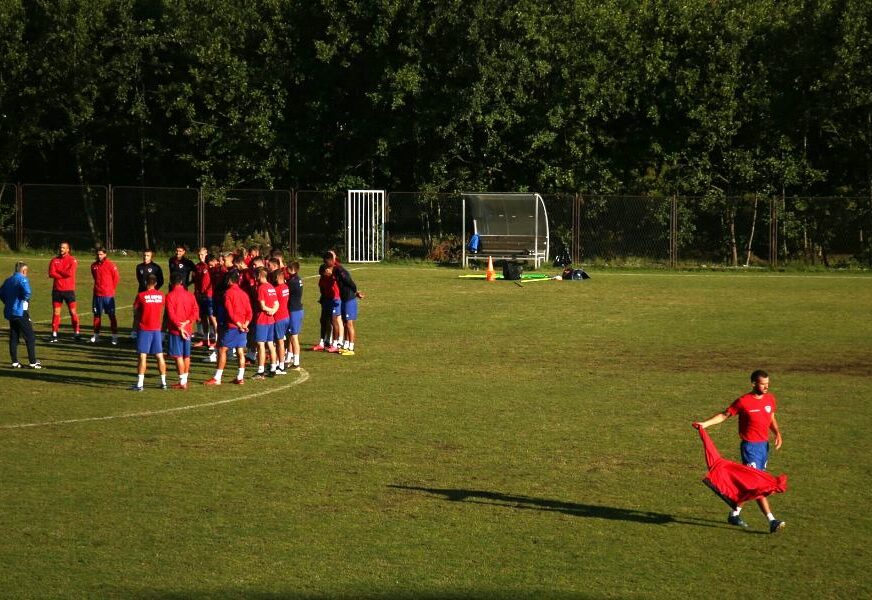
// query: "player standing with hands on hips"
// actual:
[[756, 411]]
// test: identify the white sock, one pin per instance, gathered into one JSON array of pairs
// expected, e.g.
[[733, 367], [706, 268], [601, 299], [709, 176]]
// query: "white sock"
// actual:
[[240, 373], [273, 367], [218, 374], [296, 360], [770, 516], [259, 369], [183, 378], [736, 512], [140, 380], [321, 343], [163, 379], [351, 346], [345, 344]]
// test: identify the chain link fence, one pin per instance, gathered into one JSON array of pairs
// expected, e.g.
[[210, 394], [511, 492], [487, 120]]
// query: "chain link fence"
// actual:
[[153, 217], [250, 217], [50, 214], [321, 222], [8, 215], [678, 231]]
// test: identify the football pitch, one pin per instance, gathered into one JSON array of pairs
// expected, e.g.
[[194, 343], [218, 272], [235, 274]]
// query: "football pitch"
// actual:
[[487, 440]]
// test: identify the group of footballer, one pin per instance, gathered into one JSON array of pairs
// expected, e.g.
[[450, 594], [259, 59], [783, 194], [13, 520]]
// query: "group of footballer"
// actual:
[[242, 301]]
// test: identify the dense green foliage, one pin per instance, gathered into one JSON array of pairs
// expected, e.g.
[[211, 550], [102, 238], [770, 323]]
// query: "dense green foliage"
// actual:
[[487, 441], [689, 96]]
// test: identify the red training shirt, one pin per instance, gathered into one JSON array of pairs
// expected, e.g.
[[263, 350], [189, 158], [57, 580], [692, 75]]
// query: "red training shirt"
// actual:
[[150, 304], [105, 276], [63, 270], [203, 280], [237, 304], [181, 307], [755, 415], [329, 287], [266, 293], [283, 293]]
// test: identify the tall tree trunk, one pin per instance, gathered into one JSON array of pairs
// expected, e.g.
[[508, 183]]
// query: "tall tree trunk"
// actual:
[[88, 204], [753, 228], [731, 227]]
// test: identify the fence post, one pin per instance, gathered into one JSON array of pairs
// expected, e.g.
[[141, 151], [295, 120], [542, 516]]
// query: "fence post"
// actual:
[[386, 240], [673, 232], [773, 232], [19, 216], [575, 250], [292, 223], [201, 216], [110, 218]]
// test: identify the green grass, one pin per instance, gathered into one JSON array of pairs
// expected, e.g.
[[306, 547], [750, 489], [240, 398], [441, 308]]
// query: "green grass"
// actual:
[[488, 440]]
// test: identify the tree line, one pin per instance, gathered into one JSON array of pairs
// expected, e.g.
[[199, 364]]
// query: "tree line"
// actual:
[[699, 97]]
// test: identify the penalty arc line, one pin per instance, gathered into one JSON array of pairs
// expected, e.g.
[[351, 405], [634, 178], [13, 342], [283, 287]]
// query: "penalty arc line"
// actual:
[[304, 376]]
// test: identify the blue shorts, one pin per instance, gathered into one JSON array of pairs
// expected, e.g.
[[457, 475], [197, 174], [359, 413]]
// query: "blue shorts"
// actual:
[[296, 325], [207, 309], [149, 342], [331, 308], [280, 329], [231, 337], [755, 454], [220, 315], [264, 333], [178, 347], [103, 304], [349, 310]]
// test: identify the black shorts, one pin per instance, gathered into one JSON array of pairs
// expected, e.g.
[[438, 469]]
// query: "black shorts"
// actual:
[[61, 297]]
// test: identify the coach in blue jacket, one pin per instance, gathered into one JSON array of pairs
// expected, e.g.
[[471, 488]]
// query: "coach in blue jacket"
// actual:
[[15, 294]]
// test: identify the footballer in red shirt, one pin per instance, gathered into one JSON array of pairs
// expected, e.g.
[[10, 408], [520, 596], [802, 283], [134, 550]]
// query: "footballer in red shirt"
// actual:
[[237, 317], [181, 314], [106, 277], [264, 333], [204, 291], [756, 411], [149, 308], [283, 320], [62, 269]]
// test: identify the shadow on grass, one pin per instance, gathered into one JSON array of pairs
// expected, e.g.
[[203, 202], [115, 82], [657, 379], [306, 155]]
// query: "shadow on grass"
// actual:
[[569, 508], [354, 593]]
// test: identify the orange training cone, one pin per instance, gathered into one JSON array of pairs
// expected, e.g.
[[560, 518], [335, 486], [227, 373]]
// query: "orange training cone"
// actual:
[[490, 274]]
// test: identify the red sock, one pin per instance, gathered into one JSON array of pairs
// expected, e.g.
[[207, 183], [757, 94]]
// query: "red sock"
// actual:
[[74, 316], [97, 322], [55, 317], [113, 323]]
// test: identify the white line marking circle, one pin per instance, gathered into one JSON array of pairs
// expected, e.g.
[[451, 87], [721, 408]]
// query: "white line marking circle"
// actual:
[[304, 376]]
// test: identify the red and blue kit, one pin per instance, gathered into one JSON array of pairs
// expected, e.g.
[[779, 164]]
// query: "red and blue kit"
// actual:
[[150, 305], [755, 416], [181, 307], [62, 269], [282, 293], [266, 293], [203, 280], [106, 278]]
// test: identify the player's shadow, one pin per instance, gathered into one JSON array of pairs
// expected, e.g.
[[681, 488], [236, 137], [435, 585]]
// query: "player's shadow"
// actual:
[[574, 509], [58, 375]]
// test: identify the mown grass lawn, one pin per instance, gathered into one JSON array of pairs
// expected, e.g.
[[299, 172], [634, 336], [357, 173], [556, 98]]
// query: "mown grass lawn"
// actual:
[[487, 440]]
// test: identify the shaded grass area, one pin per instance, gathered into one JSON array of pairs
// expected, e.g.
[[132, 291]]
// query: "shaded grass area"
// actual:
[[487, 441]]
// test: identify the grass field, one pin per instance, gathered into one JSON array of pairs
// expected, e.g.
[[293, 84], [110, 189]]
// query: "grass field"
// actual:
[[487, 440]]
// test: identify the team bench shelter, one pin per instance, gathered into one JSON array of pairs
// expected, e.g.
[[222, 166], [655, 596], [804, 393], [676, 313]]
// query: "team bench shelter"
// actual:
[[511, 227]]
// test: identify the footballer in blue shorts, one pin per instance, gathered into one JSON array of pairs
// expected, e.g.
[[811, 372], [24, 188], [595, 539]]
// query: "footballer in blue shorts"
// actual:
[[349, 294]]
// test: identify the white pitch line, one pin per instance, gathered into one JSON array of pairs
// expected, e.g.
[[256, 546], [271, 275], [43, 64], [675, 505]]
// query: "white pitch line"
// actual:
[[304, 376]]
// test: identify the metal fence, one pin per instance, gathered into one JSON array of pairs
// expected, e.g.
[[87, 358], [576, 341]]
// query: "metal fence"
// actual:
[[753, 230]]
